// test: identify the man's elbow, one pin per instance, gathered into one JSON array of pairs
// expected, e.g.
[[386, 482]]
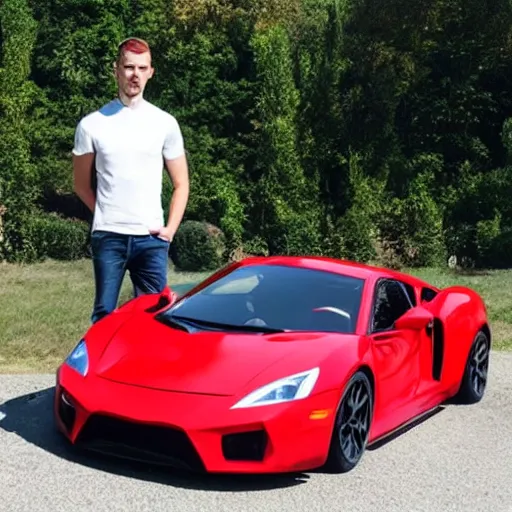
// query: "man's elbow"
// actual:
[[182, 190], [81, 189], [182, 184], [78, 187]]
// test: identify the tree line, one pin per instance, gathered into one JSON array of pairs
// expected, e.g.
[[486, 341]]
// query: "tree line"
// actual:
[[365, 129]]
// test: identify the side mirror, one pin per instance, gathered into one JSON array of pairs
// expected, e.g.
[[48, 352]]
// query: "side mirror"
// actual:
[[166, 298], [168, 295], [415, 318]]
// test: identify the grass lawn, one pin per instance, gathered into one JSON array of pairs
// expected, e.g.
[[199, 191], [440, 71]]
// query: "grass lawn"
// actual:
[[495, 286], [45, 308]]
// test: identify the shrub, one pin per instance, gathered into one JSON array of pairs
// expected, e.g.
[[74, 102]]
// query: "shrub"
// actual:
[[199, 246], [357, 228], [494, 243], [47, 235], [412, 226]]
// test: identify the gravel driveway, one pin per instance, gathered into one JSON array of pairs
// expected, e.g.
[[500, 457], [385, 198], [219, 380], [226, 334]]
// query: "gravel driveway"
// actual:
[[458, 460]]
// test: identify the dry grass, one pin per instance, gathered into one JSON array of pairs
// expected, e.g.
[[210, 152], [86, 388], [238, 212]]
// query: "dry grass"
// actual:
[[495, 286], [45, 308]]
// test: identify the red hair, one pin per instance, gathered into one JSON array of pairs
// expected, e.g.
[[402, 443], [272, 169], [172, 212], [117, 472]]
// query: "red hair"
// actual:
[[134, 45]]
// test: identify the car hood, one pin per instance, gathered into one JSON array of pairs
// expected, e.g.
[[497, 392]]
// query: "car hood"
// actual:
[[147, 353]]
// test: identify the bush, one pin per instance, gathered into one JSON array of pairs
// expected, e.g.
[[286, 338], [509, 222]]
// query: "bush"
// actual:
[[494, 243], [51, 236], [199, 246], [357, 229], [412, 227]]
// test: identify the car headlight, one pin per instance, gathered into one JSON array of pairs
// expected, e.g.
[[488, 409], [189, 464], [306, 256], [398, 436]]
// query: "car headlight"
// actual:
[[78, 359], [287, 389]]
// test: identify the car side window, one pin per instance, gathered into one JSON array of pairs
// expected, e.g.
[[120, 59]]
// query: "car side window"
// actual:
[[391, 302], [411, 292], [427, 294]]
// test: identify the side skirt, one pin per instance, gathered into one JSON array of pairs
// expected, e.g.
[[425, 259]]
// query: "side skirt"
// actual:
[[404, 427]]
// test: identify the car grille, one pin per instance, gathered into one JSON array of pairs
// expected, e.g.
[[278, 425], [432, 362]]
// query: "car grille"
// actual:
[[139, 441]]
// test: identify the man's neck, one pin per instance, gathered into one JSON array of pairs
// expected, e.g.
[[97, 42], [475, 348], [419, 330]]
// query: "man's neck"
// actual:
[[130, 102]]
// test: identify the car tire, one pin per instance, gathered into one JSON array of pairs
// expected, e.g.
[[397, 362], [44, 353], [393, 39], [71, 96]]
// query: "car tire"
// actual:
[[351, 426], [474, 380]]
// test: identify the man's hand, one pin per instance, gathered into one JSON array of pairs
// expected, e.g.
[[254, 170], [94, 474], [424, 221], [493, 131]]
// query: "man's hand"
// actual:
[[164, 233]]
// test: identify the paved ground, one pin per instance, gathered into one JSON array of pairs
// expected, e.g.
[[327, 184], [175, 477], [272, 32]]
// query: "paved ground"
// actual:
[[458, 460]]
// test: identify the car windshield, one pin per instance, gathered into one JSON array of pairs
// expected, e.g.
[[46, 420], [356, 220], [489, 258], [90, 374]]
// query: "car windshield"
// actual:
[[270, 298]]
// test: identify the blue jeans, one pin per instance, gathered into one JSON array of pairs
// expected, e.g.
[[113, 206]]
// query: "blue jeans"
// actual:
[[144, 256]]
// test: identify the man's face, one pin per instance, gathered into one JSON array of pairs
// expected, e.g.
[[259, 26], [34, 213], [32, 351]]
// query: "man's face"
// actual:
[[132, 73]]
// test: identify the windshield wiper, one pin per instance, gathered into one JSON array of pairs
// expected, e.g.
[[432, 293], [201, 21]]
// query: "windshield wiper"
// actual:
[[224, 327]]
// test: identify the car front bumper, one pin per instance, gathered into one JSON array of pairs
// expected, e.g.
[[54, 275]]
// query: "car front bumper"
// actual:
[[193, 431]]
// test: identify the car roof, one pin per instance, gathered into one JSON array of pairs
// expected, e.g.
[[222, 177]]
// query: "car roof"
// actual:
[[338, 266]]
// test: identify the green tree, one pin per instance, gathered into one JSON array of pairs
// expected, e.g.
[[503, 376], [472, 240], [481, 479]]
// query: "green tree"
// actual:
[[285, 201], [198, 51], [18, 190], [73, 66]]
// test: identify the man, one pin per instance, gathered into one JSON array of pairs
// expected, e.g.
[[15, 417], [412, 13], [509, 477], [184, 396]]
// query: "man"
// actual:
[[127, 143]]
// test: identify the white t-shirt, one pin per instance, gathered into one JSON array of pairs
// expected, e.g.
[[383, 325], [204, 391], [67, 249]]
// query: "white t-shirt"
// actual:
[[130, 144]]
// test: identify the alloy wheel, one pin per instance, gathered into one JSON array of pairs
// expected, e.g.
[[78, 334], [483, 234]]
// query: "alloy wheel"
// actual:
[[479, 365], [355, 421]]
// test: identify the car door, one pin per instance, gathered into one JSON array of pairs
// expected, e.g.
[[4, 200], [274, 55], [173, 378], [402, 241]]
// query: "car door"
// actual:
[[396, 352]]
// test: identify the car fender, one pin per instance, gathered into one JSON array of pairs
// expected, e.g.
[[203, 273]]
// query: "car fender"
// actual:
[[459, 313], [338, 358], [99, 334], [343, 363]]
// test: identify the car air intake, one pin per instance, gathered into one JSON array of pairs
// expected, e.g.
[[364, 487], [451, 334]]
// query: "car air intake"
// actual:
[[139, 441], [66, 410], [245, 446]]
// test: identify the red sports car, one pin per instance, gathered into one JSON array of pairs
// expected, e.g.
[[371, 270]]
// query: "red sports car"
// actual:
[[275, 364]]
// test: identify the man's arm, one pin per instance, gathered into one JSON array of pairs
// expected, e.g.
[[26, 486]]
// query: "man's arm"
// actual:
[[178, 172], [83, 166], [175, 160]]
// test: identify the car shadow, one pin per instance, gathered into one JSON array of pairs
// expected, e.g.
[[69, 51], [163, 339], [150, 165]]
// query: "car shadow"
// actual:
[[31, 417]]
